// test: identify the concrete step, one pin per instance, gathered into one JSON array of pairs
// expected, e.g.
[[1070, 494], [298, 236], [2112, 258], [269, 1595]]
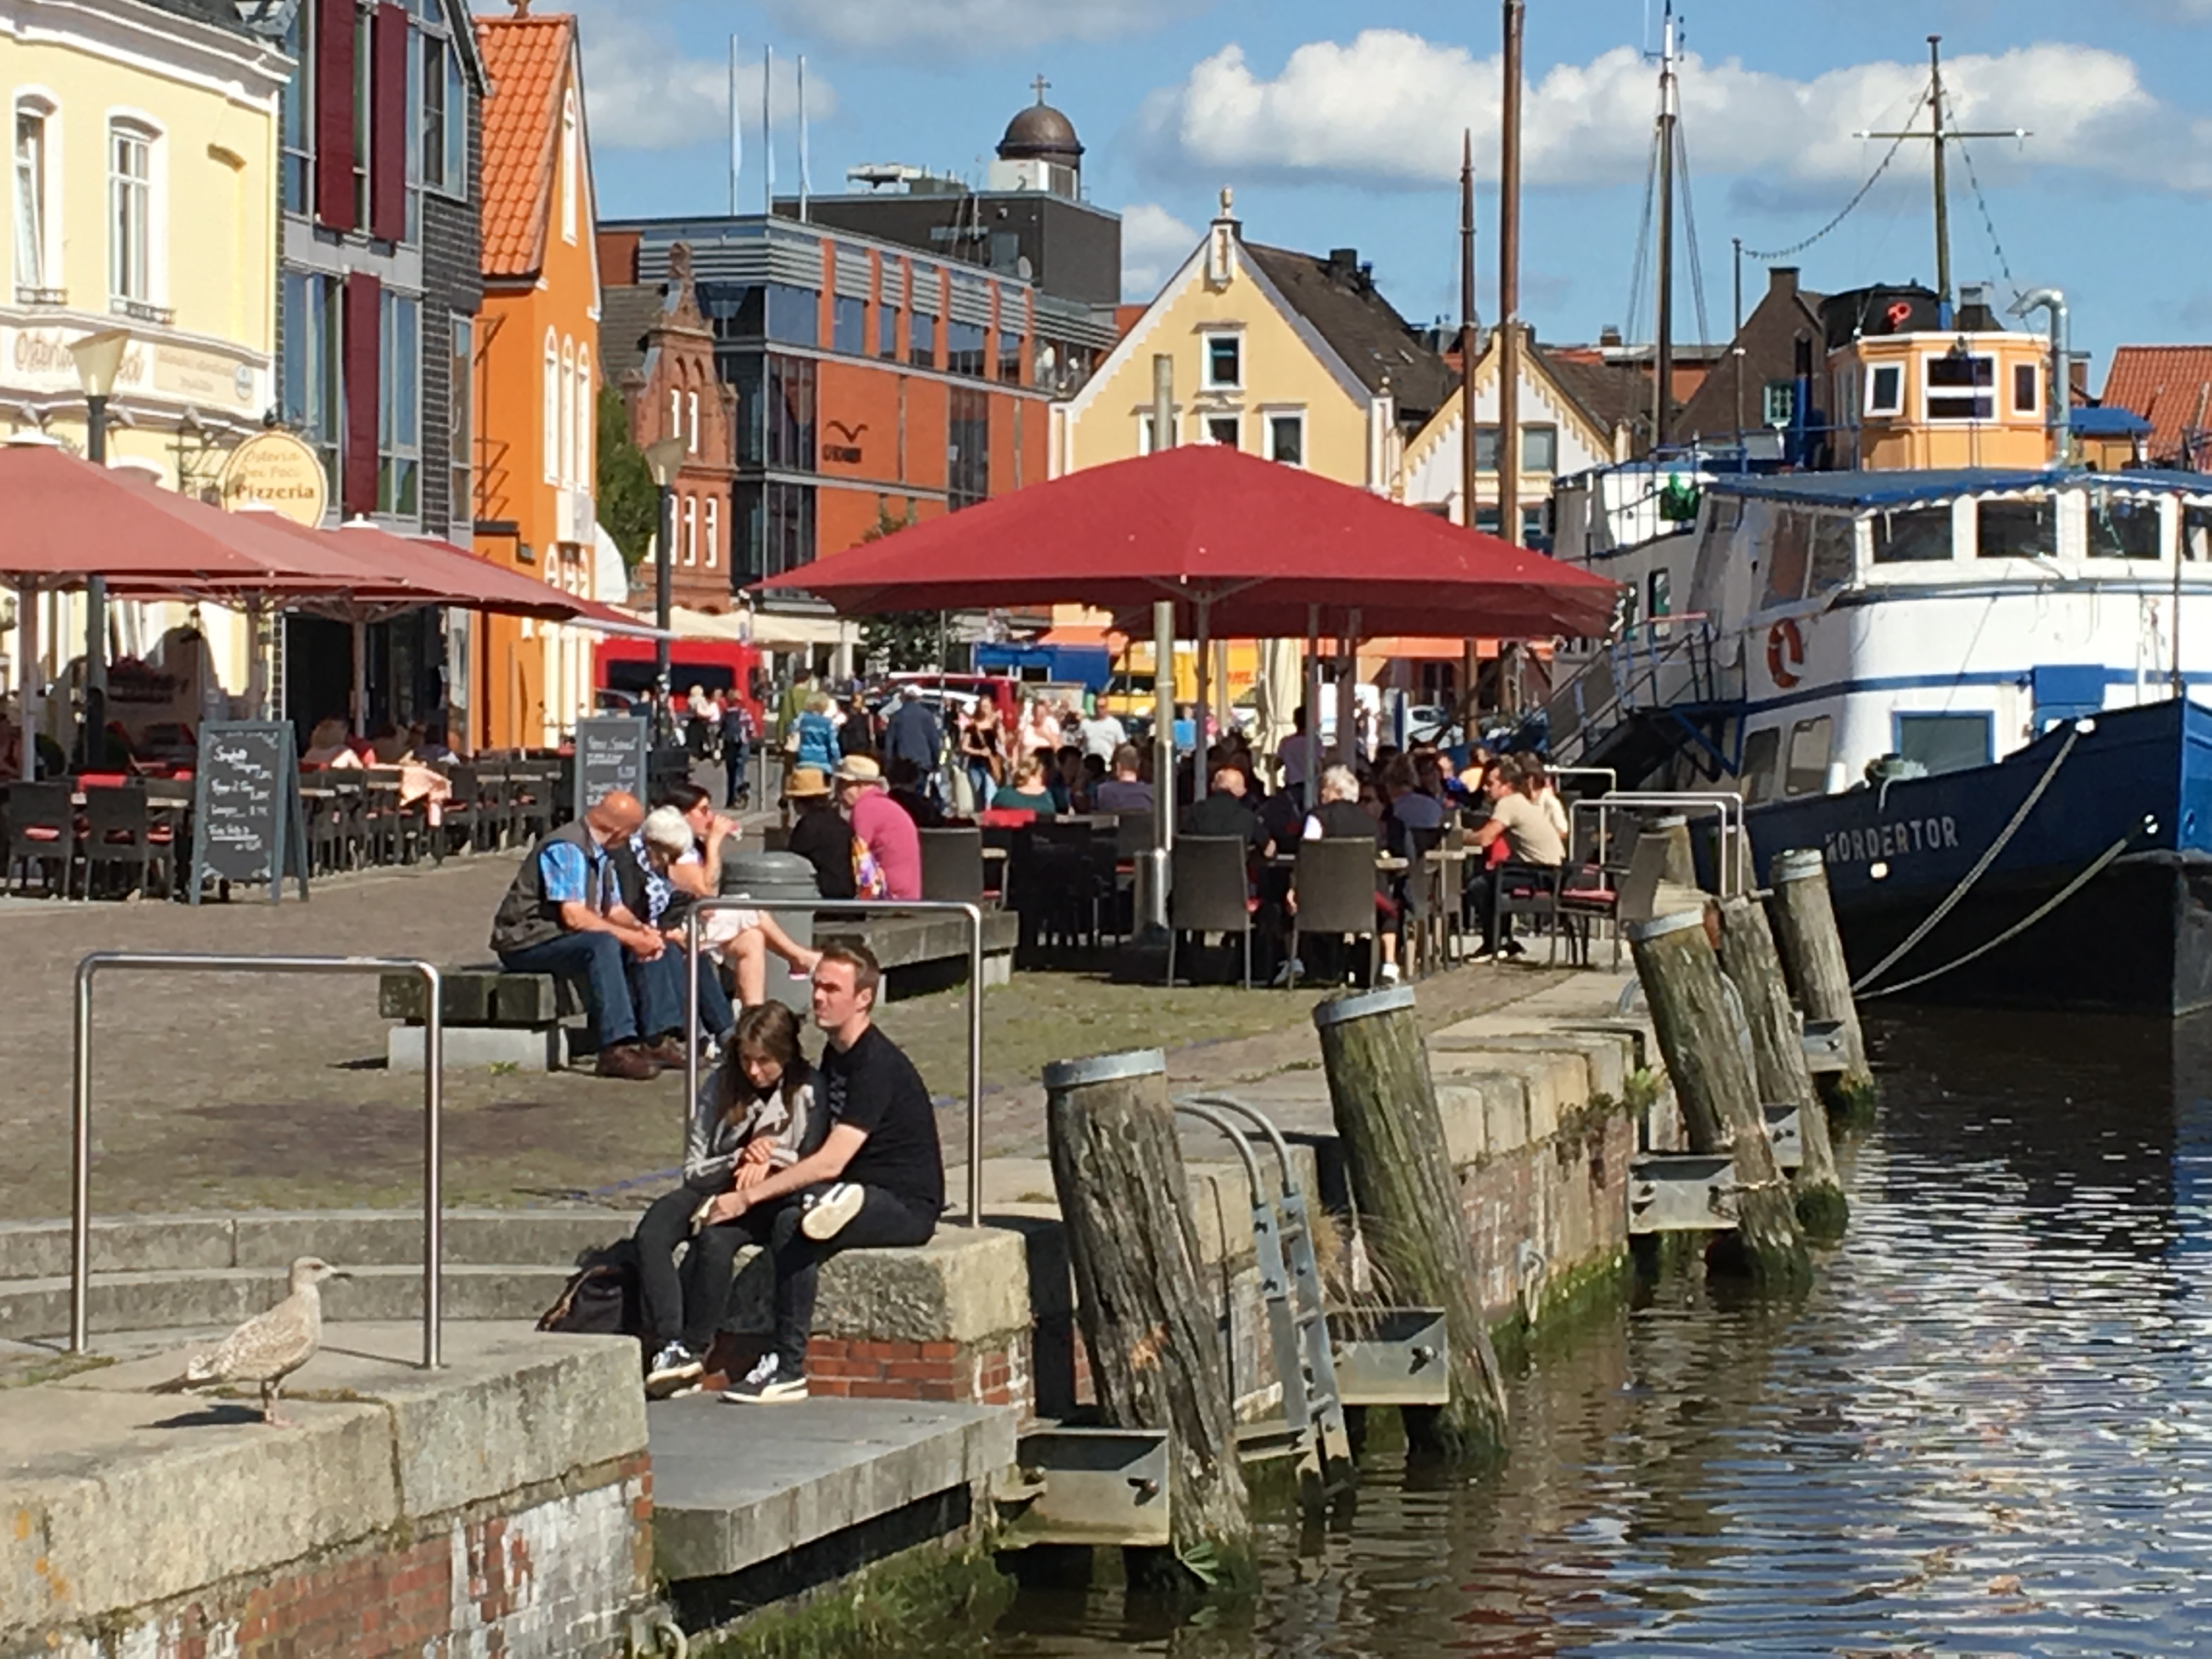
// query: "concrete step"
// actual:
[[218, 1298], [271, 1238]]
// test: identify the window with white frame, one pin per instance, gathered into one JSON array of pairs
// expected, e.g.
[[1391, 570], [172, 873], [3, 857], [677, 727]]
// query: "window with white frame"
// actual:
[[581, 478], [1148, 436], [691, 530], [1778, 402], [1961, 386], [130, 214], [1885, 389], [571, 168], [1223, 365], [566, 416], [2026, 377], [35, 277], [1223, 429], [692, 420], [462, 405], [713, 535], [399, 407], [675, 412], [551, 398], [1287, 436]]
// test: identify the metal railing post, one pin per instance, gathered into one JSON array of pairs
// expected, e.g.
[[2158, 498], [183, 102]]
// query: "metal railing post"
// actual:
[[1728, 804], [972, 914], [433, 1105]]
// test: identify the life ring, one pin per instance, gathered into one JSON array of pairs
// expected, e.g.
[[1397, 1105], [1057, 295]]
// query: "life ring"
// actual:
[[1898, 312], [1785, 653]]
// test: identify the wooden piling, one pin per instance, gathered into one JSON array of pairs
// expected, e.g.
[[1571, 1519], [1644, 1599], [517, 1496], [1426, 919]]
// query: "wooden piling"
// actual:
[[1681, 867], [1156, 1357], [1748, 958], [1702, 1043], [1811, 950], [1407, 1194]]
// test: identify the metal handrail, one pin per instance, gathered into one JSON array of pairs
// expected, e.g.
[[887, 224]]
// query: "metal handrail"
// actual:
[[434, 1101], [1724, 802], [973, 913]]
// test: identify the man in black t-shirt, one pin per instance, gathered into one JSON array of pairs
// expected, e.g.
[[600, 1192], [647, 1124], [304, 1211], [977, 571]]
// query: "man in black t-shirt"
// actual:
[[878, 1177]]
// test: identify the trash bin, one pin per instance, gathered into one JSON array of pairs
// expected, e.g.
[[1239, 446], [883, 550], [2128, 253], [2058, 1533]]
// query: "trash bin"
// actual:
[[777, 880]]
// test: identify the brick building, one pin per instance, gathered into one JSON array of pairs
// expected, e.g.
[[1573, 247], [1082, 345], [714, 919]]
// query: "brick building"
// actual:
[[657, 346], [377, 309], [872, 383]]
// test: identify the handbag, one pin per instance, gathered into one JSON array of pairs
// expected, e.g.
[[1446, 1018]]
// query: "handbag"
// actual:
[[869, 881]]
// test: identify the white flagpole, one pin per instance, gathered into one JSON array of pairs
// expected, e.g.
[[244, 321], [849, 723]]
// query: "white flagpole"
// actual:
[[736, 131], [804, 185], [767, 149]]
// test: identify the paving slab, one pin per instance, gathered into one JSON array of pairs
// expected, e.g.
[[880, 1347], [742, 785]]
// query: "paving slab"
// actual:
[[735, 1486]]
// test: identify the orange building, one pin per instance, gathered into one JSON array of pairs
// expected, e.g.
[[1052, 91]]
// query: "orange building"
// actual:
[[537, 387]]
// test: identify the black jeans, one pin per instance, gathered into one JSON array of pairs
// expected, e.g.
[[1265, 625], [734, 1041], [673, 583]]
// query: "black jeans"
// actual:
[[885, 1219], [685, 1304]]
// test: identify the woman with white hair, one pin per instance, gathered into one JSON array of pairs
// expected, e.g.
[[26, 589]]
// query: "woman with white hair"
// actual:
[[1338, 811], [743, 938]]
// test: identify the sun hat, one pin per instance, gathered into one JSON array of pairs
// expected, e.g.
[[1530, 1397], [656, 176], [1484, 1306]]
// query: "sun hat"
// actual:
[[805, 781], [858, 768]]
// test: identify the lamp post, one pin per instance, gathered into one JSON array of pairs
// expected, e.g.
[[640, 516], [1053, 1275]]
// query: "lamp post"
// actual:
[[98, 357], [666, 460]]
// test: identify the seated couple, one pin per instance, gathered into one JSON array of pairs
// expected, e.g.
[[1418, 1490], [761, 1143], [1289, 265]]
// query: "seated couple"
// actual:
[[594, 902], [802, 1162]]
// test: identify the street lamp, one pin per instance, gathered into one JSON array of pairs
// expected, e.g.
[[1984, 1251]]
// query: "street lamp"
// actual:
[[665, 459], [98, 357]]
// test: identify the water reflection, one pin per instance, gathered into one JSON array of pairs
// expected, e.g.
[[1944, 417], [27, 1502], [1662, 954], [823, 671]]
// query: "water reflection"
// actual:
[[1986, 1431]]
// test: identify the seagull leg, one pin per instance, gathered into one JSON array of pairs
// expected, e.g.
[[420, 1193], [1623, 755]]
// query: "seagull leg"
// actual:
[[269, 1415]]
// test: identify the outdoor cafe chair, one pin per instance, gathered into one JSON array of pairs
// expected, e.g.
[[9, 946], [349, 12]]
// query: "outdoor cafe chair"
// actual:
[[952, 866], [1527, 890], [41, 830], [1332, 883], [463, 808], [121, 828], [1208, 893]]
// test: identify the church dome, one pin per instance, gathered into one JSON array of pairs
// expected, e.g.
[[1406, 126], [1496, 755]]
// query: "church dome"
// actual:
[[1040, 133]]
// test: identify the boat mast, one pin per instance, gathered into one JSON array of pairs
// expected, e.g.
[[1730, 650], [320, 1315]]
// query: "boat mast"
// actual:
[[1662, 376], [1467, 349], [1509, 284]]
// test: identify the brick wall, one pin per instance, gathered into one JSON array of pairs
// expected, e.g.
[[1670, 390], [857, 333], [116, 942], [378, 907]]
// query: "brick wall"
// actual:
[[554, 1577]]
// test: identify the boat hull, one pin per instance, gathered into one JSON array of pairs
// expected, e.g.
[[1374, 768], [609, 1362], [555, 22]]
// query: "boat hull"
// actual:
[[2128, 796]]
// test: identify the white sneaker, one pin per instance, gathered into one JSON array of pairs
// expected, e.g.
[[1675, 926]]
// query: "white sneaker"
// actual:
[[1389, 973], [826, 1216], [1288, 975], [766, 1384], [673, 1367]]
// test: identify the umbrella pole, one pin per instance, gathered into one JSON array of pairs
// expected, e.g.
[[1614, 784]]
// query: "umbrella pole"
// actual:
[[1347, 695], [27, 673], [360, 678], [1203, 709], [256, 661], [1153, 918], [1313, 707]]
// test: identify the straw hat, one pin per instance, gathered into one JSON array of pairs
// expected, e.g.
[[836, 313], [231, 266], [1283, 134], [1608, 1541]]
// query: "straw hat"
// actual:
[[804, 783], [858, 768]]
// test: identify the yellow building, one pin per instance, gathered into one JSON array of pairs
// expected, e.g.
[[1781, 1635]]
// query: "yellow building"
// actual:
[[1293, 357], [1942, 399], [143, 199]]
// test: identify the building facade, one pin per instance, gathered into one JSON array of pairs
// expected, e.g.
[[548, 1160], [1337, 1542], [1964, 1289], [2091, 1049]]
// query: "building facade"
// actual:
[[873, 386], [658, 348], [379, 234], [535, 374], [144, 185], [1295, 358]]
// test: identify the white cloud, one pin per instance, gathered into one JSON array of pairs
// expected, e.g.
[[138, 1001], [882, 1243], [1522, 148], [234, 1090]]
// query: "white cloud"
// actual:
[[969, 29], [1388, 107], [642, 93], [1154, 242]]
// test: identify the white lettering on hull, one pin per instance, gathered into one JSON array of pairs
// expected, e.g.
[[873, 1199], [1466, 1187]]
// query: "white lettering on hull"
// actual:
[[1894, 839]]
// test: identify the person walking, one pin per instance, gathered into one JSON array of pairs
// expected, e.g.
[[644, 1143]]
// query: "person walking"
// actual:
[[912, 734], [739, 731], [877, 1180]]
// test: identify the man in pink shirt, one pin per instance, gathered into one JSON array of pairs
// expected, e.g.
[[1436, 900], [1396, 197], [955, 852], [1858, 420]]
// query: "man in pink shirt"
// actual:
[[881, 825]]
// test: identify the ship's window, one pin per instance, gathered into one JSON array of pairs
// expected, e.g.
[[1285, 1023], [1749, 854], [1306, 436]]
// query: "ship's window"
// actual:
[[1961, 386], [2122, 529], [1886, 389], [1944, 743], [1835, 551], [2025, 377], [2016, 530], [1662, 603], [1788, 551], [2197, 532], [1918, 535], [1807, 773], [1761, 750]]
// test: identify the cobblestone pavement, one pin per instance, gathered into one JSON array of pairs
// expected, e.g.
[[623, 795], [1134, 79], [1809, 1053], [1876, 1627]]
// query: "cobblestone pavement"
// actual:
[[222, 1091]]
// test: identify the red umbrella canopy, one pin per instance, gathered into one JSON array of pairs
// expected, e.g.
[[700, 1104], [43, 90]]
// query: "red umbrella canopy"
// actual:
[[1253, 543]]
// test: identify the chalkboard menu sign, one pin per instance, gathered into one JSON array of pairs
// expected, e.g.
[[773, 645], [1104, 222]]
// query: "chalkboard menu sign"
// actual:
[[609, 756], [246, 822]]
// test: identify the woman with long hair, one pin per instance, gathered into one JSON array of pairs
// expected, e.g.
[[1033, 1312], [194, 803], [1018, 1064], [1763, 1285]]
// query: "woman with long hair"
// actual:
[[755, 1114]]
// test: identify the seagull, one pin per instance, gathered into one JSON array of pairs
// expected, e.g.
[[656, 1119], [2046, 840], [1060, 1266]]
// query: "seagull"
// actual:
[[267, 1348]]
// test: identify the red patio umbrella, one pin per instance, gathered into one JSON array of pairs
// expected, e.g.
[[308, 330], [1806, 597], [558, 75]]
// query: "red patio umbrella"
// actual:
[[1246, 548]]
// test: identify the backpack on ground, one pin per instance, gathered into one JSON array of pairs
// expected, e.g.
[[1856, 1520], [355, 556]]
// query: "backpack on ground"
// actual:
[[602, 1298]]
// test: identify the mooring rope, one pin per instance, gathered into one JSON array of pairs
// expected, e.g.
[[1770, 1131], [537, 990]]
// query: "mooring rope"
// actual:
[[1981, 866], [2096, 865]]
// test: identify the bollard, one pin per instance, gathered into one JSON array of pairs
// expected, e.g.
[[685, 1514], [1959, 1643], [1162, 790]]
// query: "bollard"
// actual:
[[1811, 950], [1702, 1041], [1681, 865], [1407, 1194], [1156, 1357], [1748, 958]]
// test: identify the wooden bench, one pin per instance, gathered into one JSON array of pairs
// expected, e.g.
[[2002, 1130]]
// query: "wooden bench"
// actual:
[[921, 954], [492, 1018]]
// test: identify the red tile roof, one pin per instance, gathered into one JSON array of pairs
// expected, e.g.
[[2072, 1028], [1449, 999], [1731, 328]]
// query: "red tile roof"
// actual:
[[528, 59], [2170, 386]]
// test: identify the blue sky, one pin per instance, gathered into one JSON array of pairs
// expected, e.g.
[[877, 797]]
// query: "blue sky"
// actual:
[[1337, 132]]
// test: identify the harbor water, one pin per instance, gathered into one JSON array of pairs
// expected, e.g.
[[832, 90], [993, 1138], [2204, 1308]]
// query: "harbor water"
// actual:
[[1987, 1429]]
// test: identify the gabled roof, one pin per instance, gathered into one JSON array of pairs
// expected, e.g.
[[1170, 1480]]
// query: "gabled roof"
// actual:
[[1360, 325], [1568, 379], [2170, 386], [1611, 395], [530, 61], [628, 312]]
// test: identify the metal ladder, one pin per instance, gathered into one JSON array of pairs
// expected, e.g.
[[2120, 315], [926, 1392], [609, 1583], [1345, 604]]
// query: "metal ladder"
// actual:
[[1290, 1279]]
